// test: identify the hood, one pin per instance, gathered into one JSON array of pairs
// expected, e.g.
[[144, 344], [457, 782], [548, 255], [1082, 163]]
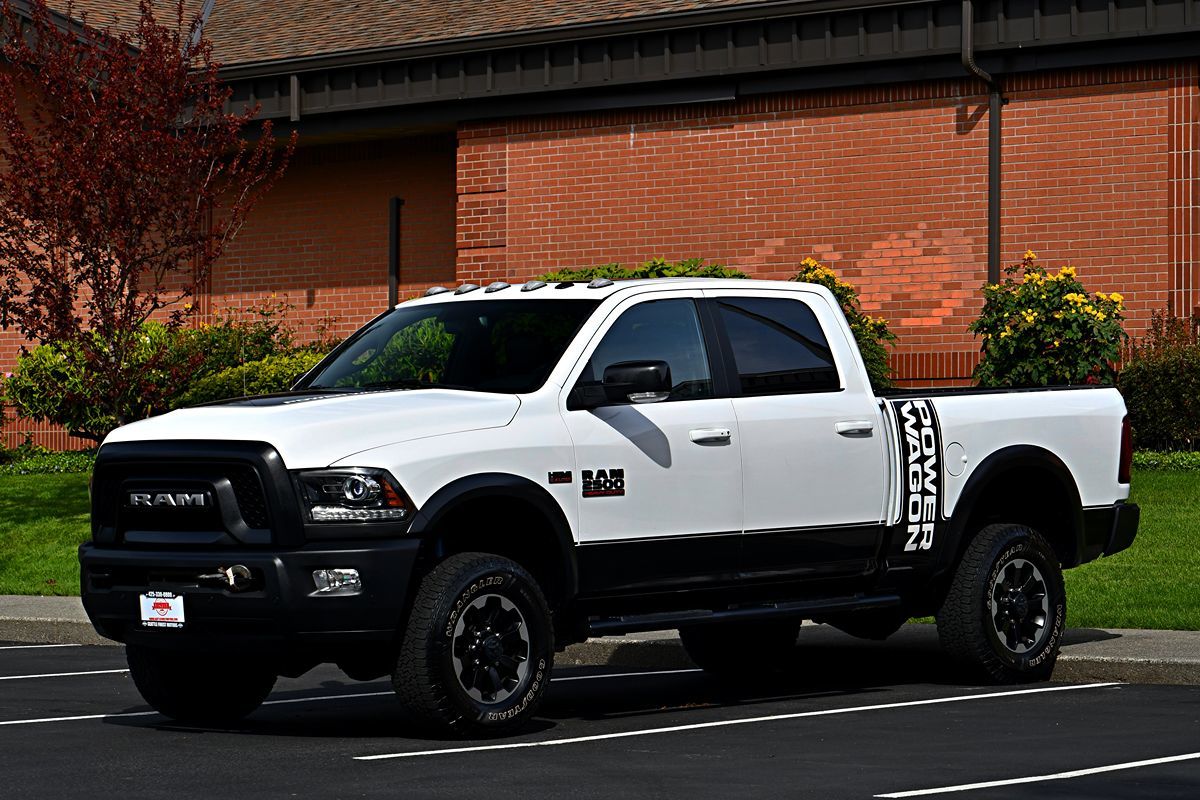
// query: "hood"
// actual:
[[315, 430]]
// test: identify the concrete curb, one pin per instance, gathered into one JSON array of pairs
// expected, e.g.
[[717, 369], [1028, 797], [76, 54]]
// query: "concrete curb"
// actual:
[[50, 631]]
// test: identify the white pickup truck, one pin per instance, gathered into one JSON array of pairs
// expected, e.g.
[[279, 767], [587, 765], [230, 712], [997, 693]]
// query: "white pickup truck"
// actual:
[[481, 476]]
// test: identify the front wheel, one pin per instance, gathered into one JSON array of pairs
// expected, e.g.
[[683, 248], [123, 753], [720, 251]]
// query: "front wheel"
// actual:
[[197, 688], [1006, 608], [478, 648]]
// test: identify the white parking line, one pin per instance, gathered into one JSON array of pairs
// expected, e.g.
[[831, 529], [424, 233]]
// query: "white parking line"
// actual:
[[727, 722], [62, 674], [35, 646], [1057, 776], [153, 713]]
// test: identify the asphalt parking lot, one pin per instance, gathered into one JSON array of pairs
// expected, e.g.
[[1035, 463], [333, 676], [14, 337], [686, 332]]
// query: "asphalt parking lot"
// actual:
[[72, 725]]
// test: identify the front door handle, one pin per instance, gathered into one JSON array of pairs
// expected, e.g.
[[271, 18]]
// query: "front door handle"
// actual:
[[710, 435], [855, 427]]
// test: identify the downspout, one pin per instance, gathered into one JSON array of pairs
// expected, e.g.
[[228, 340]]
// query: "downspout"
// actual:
[[995, 104]]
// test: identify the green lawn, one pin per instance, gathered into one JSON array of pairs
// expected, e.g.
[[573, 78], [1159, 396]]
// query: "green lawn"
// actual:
[[43, 519], [1154, 584]]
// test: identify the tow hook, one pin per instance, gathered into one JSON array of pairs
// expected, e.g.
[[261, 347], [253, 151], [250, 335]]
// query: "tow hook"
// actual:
[[236, 578]]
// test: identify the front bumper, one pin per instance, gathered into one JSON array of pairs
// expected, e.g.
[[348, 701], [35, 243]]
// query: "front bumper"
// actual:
[[280, 613], [1108, 530]]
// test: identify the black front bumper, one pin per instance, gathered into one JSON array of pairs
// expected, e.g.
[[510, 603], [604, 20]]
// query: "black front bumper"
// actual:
[[1108, 530], [281, 613]]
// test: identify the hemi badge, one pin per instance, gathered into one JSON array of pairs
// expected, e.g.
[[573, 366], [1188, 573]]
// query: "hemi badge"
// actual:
[[560, 477]]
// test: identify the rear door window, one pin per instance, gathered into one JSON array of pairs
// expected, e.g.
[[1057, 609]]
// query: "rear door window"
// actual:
[[778, 346]]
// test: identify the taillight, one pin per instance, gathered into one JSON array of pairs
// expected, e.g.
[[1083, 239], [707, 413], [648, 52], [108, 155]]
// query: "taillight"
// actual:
[[1126, 463]]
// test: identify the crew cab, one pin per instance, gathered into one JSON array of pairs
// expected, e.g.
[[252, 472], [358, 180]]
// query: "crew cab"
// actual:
[[481, 476]]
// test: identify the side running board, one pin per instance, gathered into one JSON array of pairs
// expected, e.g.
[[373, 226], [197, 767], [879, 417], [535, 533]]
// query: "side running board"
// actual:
[[603, 626]]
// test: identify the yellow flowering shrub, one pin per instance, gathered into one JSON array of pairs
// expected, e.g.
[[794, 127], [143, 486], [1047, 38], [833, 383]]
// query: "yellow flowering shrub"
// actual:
[[1042, 328], [871, 333]]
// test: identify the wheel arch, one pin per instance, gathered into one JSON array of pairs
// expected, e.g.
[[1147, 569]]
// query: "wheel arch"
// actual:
[[1022, 484], [463, 516]]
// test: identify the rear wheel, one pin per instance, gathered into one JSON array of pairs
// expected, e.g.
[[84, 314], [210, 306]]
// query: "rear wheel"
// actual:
[[478, 648], [198, 688], [737, 649], [1007, 607]]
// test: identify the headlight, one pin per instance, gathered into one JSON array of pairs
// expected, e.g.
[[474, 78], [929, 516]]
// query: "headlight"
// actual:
[[352, 495]]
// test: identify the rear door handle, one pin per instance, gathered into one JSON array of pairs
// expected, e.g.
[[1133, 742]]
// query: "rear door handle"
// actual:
[[710, 435], [855, 427]]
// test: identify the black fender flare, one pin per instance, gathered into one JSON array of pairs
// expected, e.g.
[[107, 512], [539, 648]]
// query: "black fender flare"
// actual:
[[1004, 460], [502, 484]]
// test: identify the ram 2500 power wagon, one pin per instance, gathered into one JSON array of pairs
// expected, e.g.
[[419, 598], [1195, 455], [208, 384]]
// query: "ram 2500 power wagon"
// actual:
[[479, 477]]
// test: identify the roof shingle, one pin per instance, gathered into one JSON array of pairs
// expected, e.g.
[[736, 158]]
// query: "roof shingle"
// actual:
[[253, 31]]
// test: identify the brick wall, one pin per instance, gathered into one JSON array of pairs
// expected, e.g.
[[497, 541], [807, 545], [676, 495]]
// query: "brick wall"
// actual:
[[887, 185], [319, 240]]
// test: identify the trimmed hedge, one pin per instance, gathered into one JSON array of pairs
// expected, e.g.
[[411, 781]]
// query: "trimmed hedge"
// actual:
[[1175, 461], [48, 463], [274, 373], [654, 268], [1161, 384]]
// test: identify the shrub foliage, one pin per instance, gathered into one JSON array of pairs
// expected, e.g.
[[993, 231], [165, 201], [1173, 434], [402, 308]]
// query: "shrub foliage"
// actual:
[[654, 268], [1161, 384], [871, 333], [1040, 328], [275, 373]]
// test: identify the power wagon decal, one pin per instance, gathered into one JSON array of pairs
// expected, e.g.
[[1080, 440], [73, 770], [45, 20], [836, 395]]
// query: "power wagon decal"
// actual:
[[921, 472]]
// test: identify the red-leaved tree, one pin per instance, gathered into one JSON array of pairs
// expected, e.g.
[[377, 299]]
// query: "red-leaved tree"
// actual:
[[124, 178]]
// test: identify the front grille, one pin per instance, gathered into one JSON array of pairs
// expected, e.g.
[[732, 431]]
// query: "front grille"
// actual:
[[247, 488]]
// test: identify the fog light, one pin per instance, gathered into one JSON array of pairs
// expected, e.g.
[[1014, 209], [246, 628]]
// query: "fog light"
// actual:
[[337, 581]]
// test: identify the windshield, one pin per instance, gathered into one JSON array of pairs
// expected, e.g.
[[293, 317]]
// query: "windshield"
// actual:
[[505, 346]]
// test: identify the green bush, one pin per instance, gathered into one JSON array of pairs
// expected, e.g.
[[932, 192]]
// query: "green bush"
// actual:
[[1160, 381], [275, 373], [1173, 461], [654, 268], [871, 333], [54, 382], [1041, 329], [259, 331], [49, 462]]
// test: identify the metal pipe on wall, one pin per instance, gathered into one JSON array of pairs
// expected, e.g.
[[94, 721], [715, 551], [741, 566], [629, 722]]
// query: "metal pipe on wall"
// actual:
[[995, 105], [394, 206]]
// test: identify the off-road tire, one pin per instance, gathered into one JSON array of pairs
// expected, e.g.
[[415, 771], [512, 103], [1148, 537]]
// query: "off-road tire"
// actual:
[[453, 601], [874, 625], [197, 688], [736, 649], [974, 619]]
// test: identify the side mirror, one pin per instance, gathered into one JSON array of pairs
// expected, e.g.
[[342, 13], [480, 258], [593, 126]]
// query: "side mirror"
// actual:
[[637, 382], [626, 382]]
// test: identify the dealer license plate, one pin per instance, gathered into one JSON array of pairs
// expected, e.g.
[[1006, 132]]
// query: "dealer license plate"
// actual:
[[162, 610]]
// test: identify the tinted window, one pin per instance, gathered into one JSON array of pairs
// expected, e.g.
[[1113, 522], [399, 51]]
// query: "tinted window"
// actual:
[[660, 330], [482, 345], [778, 346]]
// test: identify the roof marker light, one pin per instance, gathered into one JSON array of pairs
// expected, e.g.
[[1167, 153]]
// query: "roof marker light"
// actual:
[[431, 291], [600, 283], [466, 287], [531, 285], [564, 285], [495, 287]]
